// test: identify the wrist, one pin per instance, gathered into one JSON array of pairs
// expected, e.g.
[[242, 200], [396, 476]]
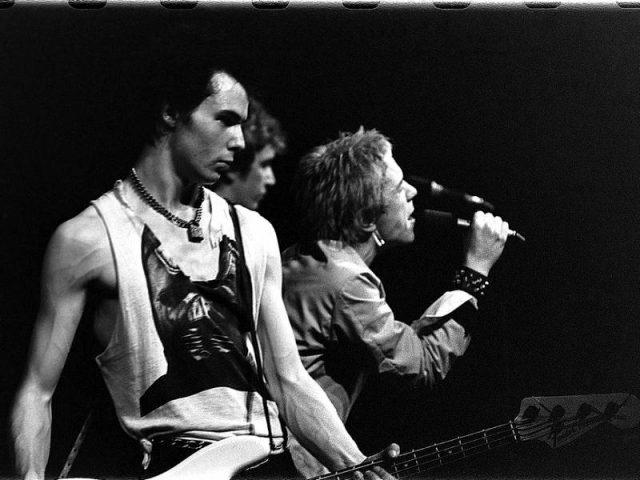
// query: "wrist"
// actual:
[[471, 281], [479, 266]]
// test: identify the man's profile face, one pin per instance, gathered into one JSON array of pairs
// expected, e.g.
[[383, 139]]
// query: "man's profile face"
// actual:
[[204, 143], [250, 189], [396, 224]]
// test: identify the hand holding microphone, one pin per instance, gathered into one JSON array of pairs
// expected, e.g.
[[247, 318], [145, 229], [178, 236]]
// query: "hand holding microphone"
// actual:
[[439, 218], [487, 233], [485, 240]]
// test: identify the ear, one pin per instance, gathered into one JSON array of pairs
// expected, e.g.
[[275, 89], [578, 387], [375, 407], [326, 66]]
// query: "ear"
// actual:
[[365, 222], [168, 116], [368, 227]]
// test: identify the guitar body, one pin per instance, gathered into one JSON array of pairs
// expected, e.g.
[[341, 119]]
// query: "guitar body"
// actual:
[[219, 461]]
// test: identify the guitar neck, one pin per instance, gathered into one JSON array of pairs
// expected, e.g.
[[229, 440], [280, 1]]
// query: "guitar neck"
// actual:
[[540, 418], [438, 454], [450, 451]]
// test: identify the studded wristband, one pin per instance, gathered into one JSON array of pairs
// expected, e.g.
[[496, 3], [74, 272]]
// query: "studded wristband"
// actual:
[[470, 281]]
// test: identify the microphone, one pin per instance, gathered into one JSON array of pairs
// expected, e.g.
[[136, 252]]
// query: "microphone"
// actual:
[[445, 219], [435, 190]]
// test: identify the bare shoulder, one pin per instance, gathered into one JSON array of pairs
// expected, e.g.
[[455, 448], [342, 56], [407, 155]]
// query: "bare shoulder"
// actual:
[[84, 231], [80, 247]]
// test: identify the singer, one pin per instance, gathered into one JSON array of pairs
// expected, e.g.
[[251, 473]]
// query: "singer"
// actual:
[[354, 203]]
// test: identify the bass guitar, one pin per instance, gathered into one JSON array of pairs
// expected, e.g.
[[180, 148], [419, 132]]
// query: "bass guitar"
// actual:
[[555, 421]]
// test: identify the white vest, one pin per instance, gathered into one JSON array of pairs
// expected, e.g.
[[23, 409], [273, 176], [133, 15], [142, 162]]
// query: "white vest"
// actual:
[[134, 357]]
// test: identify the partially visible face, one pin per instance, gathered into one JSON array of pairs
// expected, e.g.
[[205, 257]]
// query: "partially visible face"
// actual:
[[204, 143], [249, 190], [396, 224]]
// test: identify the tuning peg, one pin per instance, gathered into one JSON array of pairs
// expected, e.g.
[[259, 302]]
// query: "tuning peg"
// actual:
[[584, 411], [531, 413]]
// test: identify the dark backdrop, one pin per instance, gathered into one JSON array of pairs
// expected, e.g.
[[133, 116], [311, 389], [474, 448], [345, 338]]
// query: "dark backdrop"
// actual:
[[534, 109]]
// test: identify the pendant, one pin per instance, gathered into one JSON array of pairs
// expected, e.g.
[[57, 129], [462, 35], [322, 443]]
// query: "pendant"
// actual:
[[195, 233]]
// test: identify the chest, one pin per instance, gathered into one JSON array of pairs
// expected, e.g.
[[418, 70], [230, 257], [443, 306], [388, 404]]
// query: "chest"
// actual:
[[197, 260]]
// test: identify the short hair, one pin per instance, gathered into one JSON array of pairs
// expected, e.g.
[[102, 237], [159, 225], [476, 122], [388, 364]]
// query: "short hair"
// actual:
[[339, 187], [260, 130], [176, 70], [181, 86]]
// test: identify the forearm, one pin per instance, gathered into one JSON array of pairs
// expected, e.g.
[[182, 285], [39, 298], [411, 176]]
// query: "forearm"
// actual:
[[314, 422], [31, 431], [420, 354], [444, 332], [305, 407], [440, 349]]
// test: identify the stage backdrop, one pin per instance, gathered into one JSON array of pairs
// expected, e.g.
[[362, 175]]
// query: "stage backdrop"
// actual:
[[535, 109]]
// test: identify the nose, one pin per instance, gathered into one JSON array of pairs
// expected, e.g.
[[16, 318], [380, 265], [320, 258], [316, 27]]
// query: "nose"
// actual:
[[269, 176], [411, 191], [236, 142]]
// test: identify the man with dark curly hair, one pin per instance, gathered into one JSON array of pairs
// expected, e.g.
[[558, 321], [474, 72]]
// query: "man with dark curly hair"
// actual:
[[251, 172]]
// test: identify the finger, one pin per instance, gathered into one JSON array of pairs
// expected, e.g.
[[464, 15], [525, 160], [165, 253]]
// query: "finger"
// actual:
[[370, 475], [392, 451], [378, 473], [357, 475], [504, 234], [496, 226], [383, 474], [478, 218], [492, 225]]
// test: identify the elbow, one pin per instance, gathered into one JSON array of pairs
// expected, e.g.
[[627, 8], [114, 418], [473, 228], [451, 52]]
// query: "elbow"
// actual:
[[440, 363], [283, 383], [289, 380]]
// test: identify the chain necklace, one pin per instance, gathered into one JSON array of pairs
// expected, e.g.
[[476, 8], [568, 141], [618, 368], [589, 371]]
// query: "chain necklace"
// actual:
[[194, 232]]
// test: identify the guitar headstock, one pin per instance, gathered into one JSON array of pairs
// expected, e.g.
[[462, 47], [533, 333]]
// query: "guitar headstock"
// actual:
[[560, 420]]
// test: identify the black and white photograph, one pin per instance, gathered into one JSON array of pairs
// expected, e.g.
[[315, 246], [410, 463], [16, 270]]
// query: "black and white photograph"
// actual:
[[359, 239]]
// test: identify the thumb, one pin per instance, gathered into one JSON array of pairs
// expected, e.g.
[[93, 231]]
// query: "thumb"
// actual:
[[392, 451]]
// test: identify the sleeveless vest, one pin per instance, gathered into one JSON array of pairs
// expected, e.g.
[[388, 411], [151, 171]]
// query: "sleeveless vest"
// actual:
[[180, 359]]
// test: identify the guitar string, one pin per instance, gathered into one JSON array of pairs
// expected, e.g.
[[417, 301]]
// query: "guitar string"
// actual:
[[537, 429], [451, 458], [456, 451], [454, 444], [412, 457], [534, 431]]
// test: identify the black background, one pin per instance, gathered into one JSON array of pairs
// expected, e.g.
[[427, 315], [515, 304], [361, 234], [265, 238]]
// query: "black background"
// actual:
[[536, 110]]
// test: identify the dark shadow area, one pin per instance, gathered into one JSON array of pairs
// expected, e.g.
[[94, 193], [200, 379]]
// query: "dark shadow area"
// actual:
[[535, 110]]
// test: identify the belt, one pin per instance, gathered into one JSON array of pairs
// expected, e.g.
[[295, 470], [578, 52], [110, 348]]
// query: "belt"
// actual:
[[180, 442]]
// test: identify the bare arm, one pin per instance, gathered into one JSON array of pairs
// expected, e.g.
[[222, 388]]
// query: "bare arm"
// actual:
[[63, 292], [305, 407]]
